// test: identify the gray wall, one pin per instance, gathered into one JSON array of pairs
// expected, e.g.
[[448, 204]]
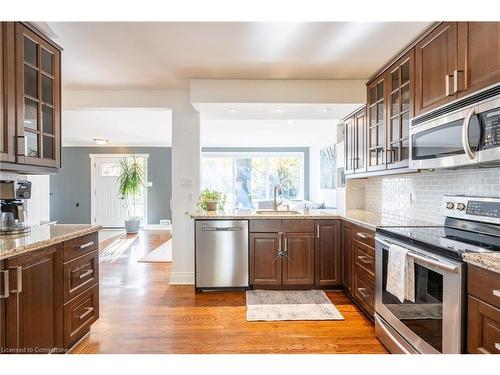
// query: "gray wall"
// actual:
[[71, 186], [304, 150]]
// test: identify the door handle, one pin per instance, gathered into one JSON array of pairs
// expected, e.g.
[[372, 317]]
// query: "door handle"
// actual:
[[86, 313], [448, 84], [22, 146], [362, 235], [85, 245], [496, 292], [5, 284], [456, 82], [87, 273], [19, 272], [317, 231], [465, 134]]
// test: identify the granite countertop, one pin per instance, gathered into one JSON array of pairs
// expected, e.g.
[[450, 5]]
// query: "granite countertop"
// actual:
[[42, 236], [489, 261], [367, 219]]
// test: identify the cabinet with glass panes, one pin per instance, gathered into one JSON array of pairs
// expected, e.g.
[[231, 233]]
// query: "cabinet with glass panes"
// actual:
[[400, 110], [38, 99], [376, 125]]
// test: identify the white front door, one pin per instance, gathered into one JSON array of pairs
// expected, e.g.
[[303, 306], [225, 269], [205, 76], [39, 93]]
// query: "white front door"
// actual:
[[108, 206]]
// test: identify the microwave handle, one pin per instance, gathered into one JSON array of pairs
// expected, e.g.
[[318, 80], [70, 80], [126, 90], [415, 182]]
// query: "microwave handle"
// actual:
[[465, 133]]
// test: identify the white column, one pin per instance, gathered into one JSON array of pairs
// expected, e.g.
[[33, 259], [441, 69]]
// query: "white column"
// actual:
[[185, 190]]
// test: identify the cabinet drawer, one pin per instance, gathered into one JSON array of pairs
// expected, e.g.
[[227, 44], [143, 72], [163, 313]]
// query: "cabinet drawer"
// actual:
[[78, 246], [80, 274], [364, 292], [298, 226], [483, 327], [363, 235], [265, 226], [364, 259], [484, 284], [79, 314]]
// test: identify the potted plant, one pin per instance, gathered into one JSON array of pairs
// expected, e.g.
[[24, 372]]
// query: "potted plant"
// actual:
[[212, 200], [131, 181]]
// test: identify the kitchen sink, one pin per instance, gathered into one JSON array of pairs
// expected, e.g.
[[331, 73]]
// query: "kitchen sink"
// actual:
[[278, 213]]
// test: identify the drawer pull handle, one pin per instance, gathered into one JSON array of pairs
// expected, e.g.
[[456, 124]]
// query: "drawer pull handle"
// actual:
[[496, 292], [365, 259], [363, 235], [85, 245], [5, 284], [87, 273], [87, 313], [497, 345], [363, 293]]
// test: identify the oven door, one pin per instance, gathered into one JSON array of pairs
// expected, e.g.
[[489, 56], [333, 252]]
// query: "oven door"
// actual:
[[446, 142], [433, 323]]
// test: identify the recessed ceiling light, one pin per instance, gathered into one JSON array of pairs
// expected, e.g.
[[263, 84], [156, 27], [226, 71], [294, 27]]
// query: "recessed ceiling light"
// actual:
[[233, 110], [101, 141], [324, 110], [277, 110]]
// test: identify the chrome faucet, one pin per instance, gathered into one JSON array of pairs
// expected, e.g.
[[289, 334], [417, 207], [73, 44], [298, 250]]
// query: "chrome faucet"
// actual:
[[277, 191]]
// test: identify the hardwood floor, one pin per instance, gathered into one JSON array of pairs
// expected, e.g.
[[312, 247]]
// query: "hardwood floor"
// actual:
[[142, 313]]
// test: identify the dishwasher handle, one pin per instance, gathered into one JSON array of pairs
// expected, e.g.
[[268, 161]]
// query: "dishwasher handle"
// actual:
[[221, 229]]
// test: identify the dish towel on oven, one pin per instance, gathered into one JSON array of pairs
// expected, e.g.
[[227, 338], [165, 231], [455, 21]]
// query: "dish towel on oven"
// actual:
[[400, 274]]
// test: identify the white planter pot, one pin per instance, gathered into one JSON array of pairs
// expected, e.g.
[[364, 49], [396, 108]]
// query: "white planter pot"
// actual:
[[132, 226]]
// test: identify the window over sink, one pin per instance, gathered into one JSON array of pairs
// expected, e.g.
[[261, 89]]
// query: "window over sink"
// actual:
[[248, 178]]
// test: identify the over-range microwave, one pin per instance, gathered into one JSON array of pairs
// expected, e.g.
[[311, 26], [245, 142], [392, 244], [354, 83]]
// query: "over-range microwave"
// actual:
[[465, 132]]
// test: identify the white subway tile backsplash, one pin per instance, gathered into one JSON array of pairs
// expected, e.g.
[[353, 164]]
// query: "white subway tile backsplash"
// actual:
[[391, 194]]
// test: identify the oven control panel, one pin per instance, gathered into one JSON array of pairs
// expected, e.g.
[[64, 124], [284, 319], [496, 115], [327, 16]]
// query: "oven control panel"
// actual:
[[484, 209], [491, 121]]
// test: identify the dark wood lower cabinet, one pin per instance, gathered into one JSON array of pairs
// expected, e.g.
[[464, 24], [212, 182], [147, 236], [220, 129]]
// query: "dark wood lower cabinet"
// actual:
[[298, 260], [34, 307], [483, 311], [483, 335], [328, 255], [3, 295], [265, 265], [346, 256], [49, 305]]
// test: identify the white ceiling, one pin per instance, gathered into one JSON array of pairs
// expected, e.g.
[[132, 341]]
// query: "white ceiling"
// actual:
[[267, 133], [123, 127], [165, 55]]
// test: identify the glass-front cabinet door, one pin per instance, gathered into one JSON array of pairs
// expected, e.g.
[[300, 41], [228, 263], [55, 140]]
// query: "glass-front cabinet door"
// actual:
[[400, 110], [376, 125], [7, 104], [38, 99], [360, 129]]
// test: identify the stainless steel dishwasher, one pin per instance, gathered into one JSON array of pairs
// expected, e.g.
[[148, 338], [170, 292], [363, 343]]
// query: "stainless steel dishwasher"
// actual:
[[221, 255]]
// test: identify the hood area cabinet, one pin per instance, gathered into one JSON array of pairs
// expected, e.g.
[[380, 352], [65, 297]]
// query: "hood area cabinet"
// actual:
[[30, 63]]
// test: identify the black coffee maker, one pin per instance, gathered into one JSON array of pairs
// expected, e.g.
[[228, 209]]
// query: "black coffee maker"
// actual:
[[13, 196]]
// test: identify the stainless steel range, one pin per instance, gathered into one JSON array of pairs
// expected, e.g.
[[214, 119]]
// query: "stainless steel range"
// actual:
[[433, 320]]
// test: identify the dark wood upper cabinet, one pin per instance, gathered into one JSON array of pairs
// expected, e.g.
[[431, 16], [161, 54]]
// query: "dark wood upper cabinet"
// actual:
[[34, 307], [298, 260], [7, 103], [355, 142], [38, 99], [479, 55], [265, 262], [376, 157], [349, 144], [328, 256], [399, 110], [436, 68]]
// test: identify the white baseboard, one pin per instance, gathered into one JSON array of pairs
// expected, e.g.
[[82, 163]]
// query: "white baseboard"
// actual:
[[158, 227], [182, 278]]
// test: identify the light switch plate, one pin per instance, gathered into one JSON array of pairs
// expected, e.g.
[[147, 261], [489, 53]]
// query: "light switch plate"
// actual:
[[187, 182]]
